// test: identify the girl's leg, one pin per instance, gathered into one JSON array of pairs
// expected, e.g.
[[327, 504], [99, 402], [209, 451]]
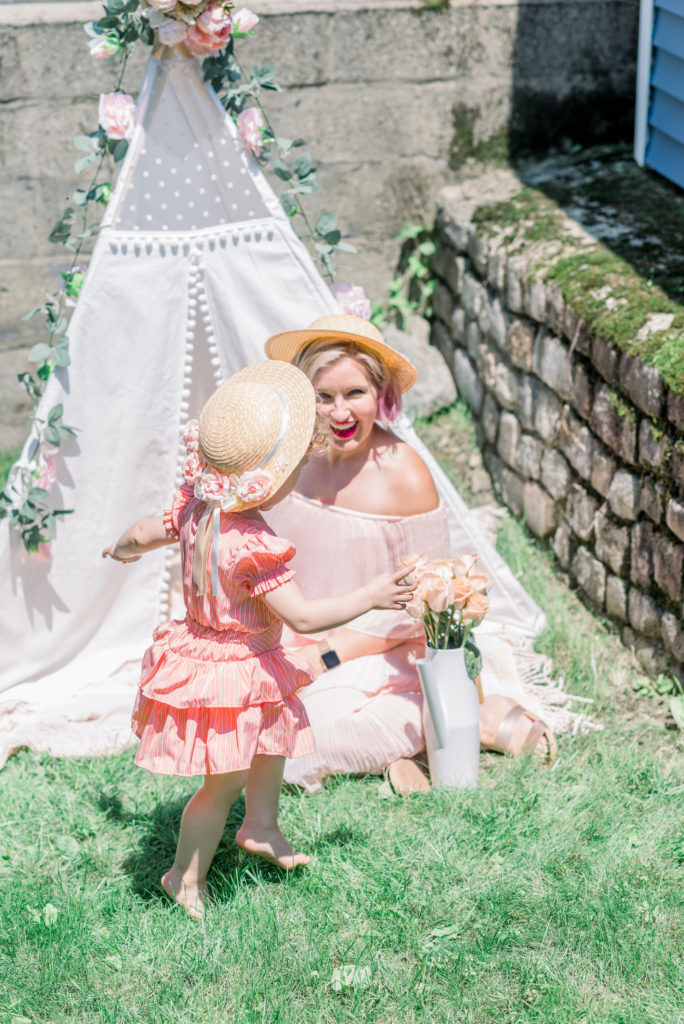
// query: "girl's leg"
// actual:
[[202, 825], [259, 832]]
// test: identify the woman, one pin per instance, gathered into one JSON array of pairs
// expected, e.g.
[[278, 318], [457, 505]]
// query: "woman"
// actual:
[[367, 502]]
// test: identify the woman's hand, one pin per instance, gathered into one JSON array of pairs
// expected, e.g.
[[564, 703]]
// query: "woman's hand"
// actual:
[[389, 591]]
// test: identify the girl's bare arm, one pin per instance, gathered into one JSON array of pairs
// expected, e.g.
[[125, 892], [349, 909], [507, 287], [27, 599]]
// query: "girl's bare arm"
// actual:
[[143, 536], [304, 616]]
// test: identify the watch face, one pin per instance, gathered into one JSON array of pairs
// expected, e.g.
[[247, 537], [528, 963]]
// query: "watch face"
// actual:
[[330, 659]]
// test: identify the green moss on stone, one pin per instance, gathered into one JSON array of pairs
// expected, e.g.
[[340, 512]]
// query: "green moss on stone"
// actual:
[[617, 284], [624, 411]]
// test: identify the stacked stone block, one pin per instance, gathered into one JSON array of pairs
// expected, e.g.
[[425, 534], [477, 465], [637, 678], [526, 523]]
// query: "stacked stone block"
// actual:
[[582, 440]]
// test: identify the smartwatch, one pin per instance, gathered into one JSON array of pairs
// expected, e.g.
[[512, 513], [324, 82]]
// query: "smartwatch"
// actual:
[[329, 657]]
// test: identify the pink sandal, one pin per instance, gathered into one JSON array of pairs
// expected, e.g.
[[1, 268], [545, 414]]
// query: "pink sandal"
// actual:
[[538, 728]]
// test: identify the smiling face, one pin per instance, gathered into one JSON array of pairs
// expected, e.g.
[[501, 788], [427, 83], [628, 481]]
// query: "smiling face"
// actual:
[[347, 403]]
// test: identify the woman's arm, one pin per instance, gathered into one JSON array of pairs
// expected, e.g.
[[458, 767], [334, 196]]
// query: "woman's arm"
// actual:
[[143, 536], [347, 644], [304, 616]]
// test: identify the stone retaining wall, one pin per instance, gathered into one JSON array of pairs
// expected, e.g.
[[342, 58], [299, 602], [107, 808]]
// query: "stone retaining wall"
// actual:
[[582, 440]]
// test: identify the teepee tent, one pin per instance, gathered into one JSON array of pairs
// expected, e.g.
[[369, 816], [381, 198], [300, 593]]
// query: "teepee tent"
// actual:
[[194, 267]]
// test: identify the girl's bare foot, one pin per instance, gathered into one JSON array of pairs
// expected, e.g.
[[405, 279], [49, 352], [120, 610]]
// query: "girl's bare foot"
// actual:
[[270, 844], [190, 899]]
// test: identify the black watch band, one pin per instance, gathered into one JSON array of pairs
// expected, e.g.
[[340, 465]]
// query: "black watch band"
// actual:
[[329, 657]]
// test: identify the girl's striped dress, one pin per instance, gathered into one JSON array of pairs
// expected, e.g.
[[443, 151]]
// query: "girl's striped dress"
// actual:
[[217, 688]]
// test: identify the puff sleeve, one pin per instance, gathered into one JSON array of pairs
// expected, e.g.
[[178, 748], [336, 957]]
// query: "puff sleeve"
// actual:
[[173, 516], [262, 564]]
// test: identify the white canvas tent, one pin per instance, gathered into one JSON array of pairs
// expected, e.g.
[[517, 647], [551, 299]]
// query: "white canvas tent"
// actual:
[[194, 267]]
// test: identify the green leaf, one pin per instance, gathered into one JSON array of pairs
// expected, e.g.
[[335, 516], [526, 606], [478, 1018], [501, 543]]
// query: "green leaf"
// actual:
[[288, 204], [62, 229], [345, 247], [58, 326], [56, 413], [333, 237], [282, 170], [29, 385], [52, 435], [677, 711], [39, 353], [60, 354], [118, 148], [86, 143], [303, 165], [80, 196], [37, 494], [85, 162], [300, 142], [325, 223], [44, 371], [307, 185], [411, 231]]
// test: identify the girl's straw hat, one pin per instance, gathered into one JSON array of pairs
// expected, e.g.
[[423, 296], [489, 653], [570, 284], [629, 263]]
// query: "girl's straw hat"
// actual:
[[351, 329], [261, 418]]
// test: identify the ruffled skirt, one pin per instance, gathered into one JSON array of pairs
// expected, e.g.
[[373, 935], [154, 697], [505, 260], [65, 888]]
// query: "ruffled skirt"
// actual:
[[209, 702]]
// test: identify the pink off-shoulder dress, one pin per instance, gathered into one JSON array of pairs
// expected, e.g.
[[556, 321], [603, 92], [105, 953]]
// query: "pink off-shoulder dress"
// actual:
[[217, 688]]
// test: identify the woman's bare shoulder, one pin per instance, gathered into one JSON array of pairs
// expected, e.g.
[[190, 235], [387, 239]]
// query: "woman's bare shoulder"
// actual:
[[410, 480]]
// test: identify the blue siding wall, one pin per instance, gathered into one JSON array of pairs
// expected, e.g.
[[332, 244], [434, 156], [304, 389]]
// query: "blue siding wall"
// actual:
[[665, 150]]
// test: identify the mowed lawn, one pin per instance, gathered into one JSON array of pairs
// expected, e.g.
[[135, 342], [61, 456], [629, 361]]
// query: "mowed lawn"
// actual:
[[547, 895]]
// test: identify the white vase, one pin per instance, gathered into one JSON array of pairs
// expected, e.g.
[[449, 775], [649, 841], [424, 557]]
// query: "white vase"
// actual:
[[451, 718]]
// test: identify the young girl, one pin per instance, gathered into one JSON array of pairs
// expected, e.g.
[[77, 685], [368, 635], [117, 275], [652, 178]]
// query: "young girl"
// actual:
[[217, 693]]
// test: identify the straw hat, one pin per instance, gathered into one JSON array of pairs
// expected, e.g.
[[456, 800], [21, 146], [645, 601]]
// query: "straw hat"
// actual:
[[352, 329], [262, 418]]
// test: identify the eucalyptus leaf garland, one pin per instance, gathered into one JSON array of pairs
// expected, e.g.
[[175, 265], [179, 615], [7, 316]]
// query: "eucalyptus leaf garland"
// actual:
[[26, 498]]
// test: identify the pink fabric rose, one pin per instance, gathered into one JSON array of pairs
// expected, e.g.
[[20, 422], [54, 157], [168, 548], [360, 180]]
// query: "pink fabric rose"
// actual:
[[116, 114], [104, 47], [211, 485], [249, 124], [244, 20], [47, 472], [191, 436], [172, 32], [43, 554], [211, 31], [193, 467], [254, 485], [352, 299]]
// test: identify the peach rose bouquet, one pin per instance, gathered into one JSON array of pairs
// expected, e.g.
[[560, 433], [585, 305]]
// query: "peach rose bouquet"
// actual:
[[451, 599]]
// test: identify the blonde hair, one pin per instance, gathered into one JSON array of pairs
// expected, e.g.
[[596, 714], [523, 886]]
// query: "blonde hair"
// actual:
[[321, 353]]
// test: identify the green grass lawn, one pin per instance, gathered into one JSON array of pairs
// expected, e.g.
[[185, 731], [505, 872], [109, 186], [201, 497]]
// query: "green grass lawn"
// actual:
[[547, 895]]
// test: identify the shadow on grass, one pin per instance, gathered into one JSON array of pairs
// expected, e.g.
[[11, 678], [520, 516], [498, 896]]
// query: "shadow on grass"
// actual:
[[232, 869]]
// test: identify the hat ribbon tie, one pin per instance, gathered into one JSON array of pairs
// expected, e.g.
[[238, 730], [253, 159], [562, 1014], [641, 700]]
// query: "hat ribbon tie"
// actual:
[[208, 524]]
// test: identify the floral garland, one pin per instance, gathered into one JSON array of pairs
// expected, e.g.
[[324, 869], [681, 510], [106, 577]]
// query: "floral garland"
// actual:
[[207, 28]]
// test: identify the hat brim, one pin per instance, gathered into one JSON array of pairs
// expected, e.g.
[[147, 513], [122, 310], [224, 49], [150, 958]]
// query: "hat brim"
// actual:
[[289, 344], [298, 394]]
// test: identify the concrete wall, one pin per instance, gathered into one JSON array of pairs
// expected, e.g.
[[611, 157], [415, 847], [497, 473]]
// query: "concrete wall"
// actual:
[[394, 96]]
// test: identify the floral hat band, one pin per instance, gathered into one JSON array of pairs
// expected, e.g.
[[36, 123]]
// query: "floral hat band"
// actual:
[[251, 435]]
